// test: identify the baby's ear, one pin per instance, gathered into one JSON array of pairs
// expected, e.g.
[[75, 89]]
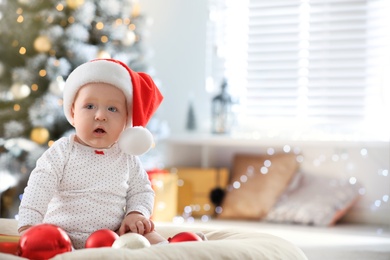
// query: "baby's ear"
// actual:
[[72, 114]]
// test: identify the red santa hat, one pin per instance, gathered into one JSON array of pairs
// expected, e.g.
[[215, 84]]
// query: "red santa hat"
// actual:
[[142, 96]]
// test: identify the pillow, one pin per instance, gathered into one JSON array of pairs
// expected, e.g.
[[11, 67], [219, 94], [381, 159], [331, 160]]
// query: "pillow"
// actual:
[[256, 183], [317, 200]]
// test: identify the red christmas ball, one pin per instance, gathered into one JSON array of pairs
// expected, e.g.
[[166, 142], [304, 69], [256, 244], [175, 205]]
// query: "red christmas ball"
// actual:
[[44, 241], [184, 237], [101, 238]]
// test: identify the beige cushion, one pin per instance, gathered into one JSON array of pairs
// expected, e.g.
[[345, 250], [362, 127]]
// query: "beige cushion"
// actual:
[[261, 179]]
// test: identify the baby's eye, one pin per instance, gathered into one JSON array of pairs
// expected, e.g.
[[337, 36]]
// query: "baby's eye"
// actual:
[[112, 109], [89, 106]]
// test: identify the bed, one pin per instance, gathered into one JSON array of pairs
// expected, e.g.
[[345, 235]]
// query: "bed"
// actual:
[[230, 239]]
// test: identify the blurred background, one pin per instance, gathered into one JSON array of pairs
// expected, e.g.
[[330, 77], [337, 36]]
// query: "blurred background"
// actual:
[[242, 76]]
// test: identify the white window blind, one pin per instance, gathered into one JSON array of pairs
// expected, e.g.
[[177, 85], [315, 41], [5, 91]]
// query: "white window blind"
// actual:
[[309, 64]]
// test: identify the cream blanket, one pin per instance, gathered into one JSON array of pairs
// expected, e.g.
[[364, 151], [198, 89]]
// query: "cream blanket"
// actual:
[[221, 244]]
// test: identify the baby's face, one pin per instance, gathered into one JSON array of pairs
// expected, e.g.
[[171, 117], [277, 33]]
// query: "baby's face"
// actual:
[[99, 115]]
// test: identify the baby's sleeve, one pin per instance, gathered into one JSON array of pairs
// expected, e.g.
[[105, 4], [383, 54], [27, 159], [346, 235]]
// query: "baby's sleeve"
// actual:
[[42, 184], [140, 195]]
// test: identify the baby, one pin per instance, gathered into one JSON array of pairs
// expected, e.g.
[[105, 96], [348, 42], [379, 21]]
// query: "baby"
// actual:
[[89, 181]]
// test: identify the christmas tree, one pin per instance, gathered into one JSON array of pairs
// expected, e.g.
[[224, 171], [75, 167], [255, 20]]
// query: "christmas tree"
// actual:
[[41, 42]]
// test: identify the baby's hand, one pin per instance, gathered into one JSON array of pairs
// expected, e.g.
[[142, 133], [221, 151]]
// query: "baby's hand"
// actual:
[[136, 223]]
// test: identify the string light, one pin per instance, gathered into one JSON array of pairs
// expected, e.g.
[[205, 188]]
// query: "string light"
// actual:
[[352, 180], [104, 39], [118, 21], [22, 50], [243, 178], [60, 7], [16, 107], [99, 25], [34, 87], [20, 19], [42, 73], [270, 151], [384, 172]]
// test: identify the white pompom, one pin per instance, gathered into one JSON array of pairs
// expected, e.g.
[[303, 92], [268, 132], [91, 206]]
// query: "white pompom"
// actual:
[[135, 140], [131, 241]]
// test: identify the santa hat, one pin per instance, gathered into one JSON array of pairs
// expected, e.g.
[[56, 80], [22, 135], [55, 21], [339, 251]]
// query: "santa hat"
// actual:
[[142, 96]]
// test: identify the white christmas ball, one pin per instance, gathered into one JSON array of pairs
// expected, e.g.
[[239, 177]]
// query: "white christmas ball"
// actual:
[[20, 90], [24, 2], [135, 140], [131, 241], [42, 44], [102, 54], [129, 38], [57, 86]]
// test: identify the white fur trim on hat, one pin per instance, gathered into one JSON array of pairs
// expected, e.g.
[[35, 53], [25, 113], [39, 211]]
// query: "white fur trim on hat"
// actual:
[[135, 140], [97, 71]]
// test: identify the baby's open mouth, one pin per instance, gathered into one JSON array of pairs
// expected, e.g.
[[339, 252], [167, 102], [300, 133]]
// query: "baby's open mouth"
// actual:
[[99, 131]]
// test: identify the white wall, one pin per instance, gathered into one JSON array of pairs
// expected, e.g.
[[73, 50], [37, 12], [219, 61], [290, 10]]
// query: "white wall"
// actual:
[[178, 36]]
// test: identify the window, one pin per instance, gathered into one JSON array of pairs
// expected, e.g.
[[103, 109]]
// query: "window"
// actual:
[[311, 66]]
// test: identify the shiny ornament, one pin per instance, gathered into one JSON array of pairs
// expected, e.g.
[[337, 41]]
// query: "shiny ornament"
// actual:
[[9, 247], [103, 55], [20, 90], [101, 238], [129, 38], [42, 44], [44, 241], [131, 241], [56, 86], [184, 237], [74, 4], [40, 135]]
